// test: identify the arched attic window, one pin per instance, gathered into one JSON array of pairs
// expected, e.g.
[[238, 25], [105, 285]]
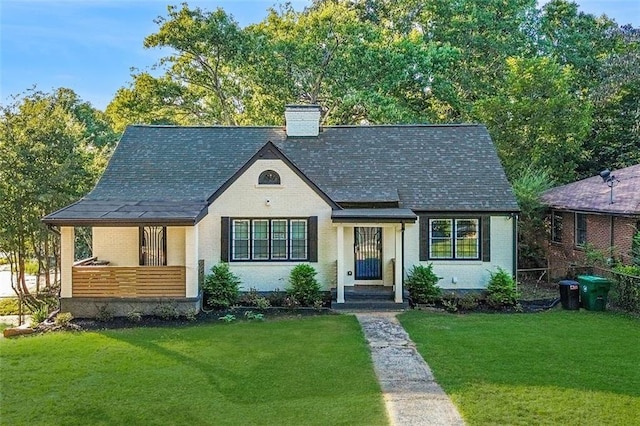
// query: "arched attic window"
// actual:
[[269, 177]]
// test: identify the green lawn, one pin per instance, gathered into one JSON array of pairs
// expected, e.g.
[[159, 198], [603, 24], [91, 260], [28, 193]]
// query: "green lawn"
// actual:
[[557, 367], [286, 372]]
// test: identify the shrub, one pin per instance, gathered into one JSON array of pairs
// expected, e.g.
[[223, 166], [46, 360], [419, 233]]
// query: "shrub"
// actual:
[[191, 315], [166, 311], [303, 286], [221, 287], [250, 315], [134, 316], [501, 290], [63, 319], [422, 284], [11, 306]]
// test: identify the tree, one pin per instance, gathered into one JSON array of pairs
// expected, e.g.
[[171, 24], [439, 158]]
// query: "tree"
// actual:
[[536, 120], [47, 162]]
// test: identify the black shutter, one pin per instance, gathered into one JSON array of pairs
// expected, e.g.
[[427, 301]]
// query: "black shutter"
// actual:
[[486, 238], [224, 239], [423, 239], [313, 238]]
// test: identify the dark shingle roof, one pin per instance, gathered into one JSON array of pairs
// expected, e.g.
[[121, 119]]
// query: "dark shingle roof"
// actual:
[[593, 195], [422, 167]]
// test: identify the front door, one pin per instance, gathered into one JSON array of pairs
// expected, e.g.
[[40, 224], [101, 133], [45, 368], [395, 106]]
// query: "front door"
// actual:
[[368, 253]]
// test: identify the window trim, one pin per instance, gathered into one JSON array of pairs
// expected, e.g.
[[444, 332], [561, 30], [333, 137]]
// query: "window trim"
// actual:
[[578, 231], [270, 233], [453, 238]]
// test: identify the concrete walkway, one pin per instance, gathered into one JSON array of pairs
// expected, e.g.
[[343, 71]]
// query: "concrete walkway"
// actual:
[[410, 392]]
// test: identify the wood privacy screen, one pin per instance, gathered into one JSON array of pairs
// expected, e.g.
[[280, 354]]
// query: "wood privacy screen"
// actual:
[[129, 281]]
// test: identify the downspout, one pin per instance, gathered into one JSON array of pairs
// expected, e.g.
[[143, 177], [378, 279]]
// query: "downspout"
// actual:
[[514, 216], [611, 239], [402, 266]]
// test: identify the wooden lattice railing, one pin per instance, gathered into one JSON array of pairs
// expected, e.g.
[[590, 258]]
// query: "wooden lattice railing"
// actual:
[[129, 281]]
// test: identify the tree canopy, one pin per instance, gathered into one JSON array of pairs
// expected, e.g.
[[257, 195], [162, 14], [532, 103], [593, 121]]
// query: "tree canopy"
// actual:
[[556, 87]]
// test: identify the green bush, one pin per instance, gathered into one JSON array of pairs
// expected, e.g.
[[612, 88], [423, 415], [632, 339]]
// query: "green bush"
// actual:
[[221, 287], [422, 284], [635, 249], [626, 288], [11, 306], [253, 298], [501, 290], [166, 311], [134, 316], [104, 313], [303, 286]]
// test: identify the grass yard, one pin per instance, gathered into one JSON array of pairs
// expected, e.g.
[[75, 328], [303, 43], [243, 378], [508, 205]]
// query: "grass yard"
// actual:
[[311, 371], [556, 367]]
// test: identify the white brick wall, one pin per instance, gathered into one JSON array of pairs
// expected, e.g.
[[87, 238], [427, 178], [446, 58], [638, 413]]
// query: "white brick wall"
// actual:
[[245, 198], [470, 274]]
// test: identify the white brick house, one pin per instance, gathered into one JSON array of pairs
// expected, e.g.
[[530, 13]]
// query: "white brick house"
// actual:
[[362, 204]]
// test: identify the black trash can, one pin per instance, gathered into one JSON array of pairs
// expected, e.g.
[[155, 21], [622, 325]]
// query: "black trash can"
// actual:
[[570, 294]]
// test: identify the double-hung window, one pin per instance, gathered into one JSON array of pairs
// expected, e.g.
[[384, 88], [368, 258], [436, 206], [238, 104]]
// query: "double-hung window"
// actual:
[[451, 238], [269, 239]]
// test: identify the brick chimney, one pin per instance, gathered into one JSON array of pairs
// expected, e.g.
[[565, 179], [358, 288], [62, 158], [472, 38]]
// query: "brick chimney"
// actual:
[[302, 120]]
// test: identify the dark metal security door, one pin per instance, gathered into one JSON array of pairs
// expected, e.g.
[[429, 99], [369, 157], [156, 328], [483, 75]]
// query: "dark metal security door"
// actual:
[[368, 253]]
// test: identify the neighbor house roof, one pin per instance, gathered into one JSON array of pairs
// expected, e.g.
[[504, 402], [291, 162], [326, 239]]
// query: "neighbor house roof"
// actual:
[[418, 167], [593, 194]]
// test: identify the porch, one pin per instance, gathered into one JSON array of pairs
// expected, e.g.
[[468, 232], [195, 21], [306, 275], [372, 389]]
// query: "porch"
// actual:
[[370, 257]]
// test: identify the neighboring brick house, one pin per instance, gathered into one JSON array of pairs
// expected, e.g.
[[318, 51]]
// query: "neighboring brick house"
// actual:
[[362, 204], [582, 213]]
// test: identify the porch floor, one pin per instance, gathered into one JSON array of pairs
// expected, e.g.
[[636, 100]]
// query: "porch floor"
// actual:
[[369, 297]]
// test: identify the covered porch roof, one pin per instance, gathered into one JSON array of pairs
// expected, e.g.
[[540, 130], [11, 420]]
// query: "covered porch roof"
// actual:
[[373, 215], [123, 213]]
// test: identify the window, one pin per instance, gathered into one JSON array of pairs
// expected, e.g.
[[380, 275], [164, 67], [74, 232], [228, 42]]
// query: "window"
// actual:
[[153, 245], [581, 229], [454, 239], [269, 239], [556, 227], [269, 177]]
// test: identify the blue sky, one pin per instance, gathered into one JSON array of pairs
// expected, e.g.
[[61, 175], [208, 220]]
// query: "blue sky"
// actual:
[[90, 46]]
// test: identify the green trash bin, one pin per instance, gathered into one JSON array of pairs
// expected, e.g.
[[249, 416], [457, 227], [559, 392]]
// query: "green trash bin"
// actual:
[[593, 292]]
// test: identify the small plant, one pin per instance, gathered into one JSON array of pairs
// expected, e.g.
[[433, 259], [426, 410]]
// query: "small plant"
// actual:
[[450, 303], [635, 248], [229, 318], [469, 302], [190, 315], [134, 317], [290, 302], [166, 311], [63, 319], [253, 298], [40, 314], [221, 287], [422, 284], [276, 297], [250, 315], [501, 290], [303, 286], [103, 313], [318, 304]]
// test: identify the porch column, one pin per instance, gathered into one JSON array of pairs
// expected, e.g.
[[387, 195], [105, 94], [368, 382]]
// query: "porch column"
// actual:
[[340, 265], [399, 262], [191, 260], [67, 255]]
